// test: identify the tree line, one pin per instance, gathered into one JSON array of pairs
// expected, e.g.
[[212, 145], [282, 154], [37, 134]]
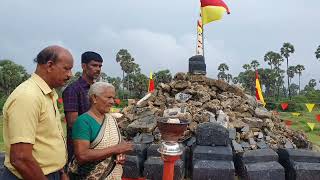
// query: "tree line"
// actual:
[[134, 84], [277, 82]]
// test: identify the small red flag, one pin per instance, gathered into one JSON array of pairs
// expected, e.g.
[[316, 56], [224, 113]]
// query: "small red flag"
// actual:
[[151, 84], [284, 106], [318, 117]]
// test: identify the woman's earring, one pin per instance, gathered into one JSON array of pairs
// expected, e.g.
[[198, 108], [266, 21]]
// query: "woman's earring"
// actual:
[[94, 102]]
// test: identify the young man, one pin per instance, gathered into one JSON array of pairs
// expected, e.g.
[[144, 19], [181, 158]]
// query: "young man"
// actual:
[[33, 136], [75, 96]]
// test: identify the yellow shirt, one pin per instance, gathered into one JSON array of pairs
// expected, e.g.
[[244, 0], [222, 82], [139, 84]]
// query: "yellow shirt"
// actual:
[[31, 116]]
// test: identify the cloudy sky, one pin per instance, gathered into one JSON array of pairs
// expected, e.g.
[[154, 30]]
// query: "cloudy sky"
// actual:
[[160, 34]]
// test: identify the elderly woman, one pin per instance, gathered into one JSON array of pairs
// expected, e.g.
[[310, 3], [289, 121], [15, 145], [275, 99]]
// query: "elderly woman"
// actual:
[[98, 148]]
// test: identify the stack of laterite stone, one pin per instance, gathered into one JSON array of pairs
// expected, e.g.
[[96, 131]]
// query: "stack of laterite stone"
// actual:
[[145, 162], [260, 164], [212, 156], [133, 166], [300, 164], [153, 166]]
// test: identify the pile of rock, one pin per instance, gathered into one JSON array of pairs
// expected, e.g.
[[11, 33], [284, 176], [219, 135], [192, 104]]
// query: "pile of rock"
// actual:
[[200, 99]]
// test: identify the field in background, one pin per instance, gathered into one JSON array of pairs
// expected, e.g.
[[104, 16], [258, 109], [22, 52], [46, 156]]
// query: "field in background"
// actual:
[[300, 123]]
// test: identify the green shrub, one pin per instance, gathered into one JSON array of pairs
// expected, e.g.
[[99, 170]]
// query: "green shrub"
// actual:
[[3, 99]]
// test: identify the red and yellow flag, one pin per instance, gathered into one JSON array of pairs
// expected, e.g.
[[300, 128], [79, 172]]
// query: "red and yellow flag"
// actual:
[[212, 10], [259, 95], [151, 84]]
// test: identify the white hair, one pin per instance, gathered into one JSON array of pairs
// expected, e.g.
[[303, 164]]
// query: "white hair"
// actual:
[[98, 87]]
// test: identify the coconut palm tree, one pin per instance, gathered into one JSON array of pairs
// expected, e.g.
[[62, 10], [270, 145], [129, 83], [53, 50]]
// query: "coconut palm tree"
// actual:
[[127, 65], [223, 67], [268, 57], [285, 51], [318, 52], [229, 78], [255, 64], [291, 72], [299, 68], [247, 67]]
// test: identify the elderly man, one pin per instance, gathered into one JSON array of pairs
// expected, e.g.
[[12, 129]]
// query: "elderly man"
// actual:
[[33, 136], [75, 96]]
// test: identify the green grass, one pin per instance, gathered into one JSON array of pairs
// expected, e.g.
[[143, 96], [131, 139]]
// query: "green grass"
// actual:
[[300, 123]]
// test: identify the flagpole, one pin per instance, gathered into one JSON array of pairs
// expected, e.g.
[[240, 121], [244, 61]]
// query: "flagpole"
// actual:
[[197, 35], [202, 39]]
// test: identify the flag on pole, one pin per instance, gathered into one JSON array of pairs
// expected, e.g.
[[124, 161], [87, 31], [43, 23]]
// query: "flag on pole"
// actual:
[[259, 95], [151, 84], [212, 10]]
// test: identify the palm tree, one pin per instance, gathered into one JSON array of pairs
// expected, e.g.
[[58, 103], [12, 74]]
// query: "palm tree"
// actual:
[[235, 80], [229, 77], [223, 67], [268, 57], [312, 83], [247, 67], [254, 64], [277, 60], [126, 62], [291, 72], [299, 68], [318, 52], [286, 50]]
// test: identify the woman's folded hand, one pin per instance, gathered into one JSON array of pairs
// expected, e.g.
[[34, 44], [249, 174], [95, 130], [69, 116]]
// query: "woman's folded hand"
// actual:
[[123, 147]]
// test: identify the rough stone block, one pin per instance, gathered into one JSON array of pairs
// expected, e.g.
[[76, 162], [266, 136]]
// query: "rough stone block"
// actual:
[[217, 153], [188, 161], [139, 150], [210, 133], [304, 171], [263, 171], [153, 169], [133, 167], [300, 164], [232, 133], [212, 170], [262, 144], [236, 146], [153, 150], [258, 155], [299, 155]]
